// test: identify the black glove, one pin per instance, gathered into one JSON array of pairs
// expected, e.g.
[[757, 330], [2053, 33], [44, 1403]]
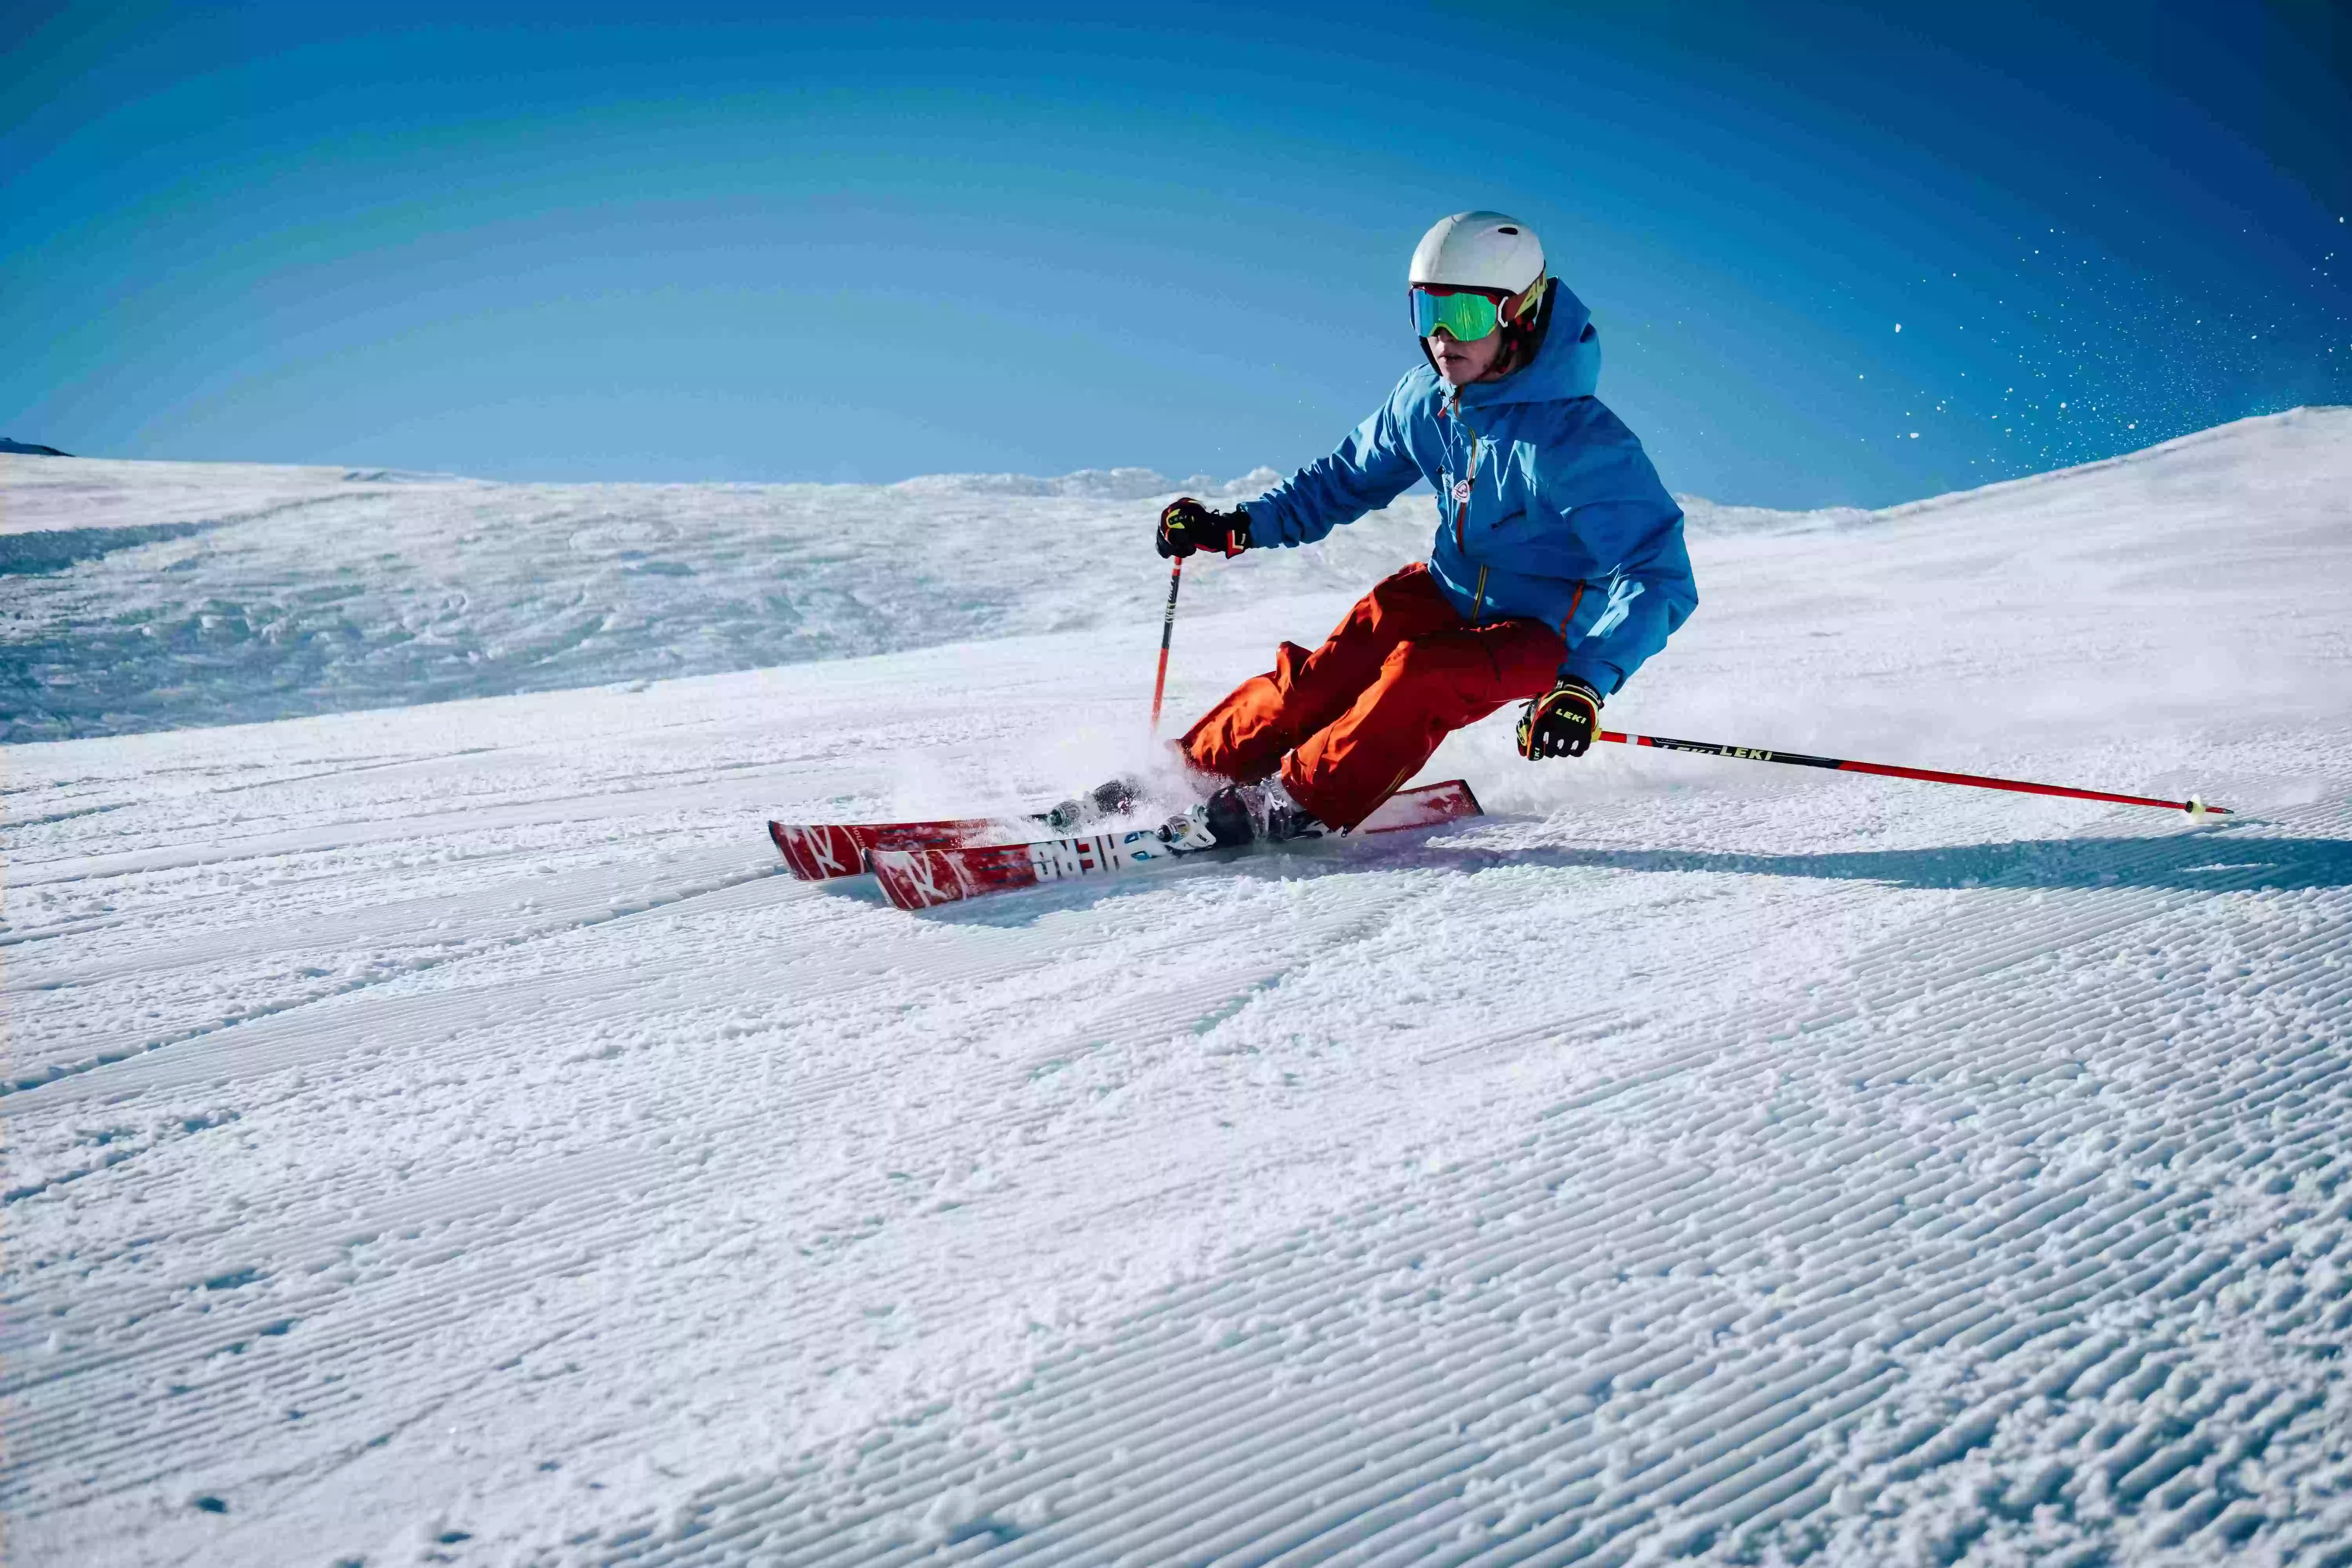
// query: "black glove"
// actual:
[[1185, 526], [1562, 722]]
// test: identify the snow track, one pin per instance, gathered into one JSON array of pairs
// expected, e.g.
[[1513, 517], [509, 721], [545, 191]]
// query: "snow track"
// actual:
[[1997, 1294], [442, 1135]]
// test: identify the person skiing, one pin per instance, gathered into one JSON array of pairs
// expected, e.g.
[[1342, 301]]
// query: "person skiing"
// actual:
[[1558, 568]]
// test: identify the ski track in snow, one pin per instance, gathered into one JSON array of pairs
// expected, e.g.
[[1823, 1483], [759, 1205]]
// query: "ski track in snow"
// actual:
[[443, 1134]]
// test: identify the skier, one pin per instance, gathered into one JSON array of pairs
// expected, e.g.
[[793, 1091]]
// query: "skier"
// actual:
[[1557, 567]]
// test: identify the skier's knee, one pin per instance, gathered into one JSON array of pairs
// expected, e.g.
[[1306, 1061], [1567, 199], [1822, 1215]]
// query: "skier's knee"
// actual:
[[1418, 663]]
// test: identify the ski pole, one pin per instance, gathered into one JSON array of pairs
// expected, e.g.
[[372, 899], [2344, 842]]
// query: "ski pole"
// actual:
[[1167, 632], [2192, 805]]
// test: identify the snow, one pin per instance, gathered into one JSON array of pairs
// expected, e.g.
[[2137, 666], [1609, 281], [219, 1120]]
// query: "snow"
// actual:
[[441, 1133], [163, 595], [146, 598]]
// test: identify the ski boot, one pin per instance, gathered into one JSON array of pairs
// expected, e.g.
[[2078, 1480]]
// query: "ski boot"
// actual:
[[1242, 814], [1100, 804]]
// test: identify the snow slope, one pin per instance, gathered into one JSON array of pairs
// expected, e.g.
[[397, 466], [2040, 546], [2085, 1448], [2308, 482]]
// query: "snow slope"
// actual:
[[440, 1134], [142, 597], [161, 595]]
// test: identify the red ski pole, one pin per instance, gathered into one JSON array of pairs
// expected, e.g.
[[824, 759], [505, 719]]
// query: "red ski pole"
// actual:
[[2192, 805], [1167, 634]]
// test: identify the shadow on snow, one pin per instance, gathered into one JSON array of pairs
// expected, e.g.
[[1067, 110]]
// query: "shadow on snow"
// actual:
[[2209, 862], [2213, 861]]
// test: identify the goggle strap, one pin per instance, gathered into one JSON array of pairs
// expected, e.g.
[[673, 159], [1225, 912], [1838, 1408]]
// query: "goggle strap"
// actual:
[[1522, 305]]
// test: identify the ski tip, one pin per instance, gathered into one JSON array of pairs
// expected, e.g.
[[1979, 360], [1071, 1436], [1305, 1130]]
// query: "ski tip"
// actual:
[[818, 854], [1424, 806], [782, 838]]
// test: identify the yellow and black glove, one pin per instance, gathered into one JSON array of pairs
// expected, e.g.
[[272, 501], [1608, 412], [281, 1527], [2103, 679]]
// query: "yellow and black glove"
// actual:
[[1562, 722], [1185, 526]]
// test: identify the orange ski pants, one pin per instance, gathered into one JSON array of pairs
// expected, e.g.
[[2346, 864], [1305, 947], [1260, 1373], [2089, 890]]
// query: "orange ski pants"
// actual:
[[1348, 724]]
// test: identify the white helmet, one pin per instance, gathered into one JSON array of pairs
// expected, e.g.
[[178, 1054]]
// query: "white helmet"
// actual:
[[1479, 250]]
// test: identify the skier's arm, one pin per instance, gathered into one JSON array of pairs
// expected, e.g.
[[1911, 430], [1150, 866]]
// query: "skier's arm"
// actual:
[[1370, 470], [1651, 594]]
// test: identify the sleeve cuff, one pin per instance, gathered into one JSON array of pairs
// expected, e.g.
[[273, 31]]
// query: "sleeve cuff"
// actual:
[[1602, 677], [1264, 527]]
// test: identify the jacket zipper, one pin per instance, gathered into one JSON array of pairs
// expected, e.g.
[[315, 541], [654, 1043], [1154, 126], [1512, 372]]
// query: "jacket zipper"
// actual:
[[1462, 501]]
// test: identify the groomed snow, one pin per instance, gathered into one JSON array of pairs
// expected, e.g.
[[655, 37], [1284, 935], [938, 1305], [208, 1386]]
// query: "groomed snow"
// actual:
[[442, 1133]]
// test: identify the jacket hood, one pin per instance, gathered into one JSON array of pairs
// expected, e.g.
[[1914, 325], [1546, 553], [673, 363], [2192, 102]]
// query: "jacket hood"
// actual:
[[1567, 364]]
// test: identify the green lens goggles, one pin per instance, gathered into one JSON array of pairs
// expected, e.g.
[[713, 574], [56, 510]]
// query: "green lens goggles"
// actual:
[[1465, 316]]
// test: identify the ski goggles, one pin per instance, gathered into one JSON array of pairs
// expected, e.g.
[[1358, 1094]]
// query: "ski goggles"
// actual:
[[1466, 314]]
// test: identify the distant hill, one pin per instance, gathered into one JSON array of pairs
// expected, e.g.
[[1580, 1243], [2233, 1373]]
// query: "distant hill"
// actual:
[[29, 449]]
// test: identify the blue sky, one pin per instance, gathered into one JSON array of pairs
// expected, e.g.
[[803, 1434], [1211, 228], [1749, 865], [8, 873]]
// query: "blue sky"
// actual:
[[572, 243]]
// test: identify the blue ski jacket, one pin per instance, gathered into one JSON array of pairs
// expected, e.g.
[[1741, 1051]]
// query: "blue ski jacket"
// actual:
[[1546, 506]]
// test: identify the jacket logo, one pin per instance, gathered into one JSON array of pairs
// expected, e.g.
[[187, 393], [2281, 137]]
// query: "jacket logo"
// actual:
[[1462, 490], [1622, 595]]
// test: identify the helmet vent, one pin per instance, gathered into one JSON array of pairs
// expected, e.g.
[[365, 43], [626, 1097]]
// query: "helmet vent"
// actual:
[[1507, 229]]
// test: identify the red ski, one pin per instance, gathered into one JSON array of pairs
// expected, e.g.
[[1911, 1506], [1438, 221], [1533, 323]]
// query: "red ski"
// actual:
[[816, 852], [918, 877]]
